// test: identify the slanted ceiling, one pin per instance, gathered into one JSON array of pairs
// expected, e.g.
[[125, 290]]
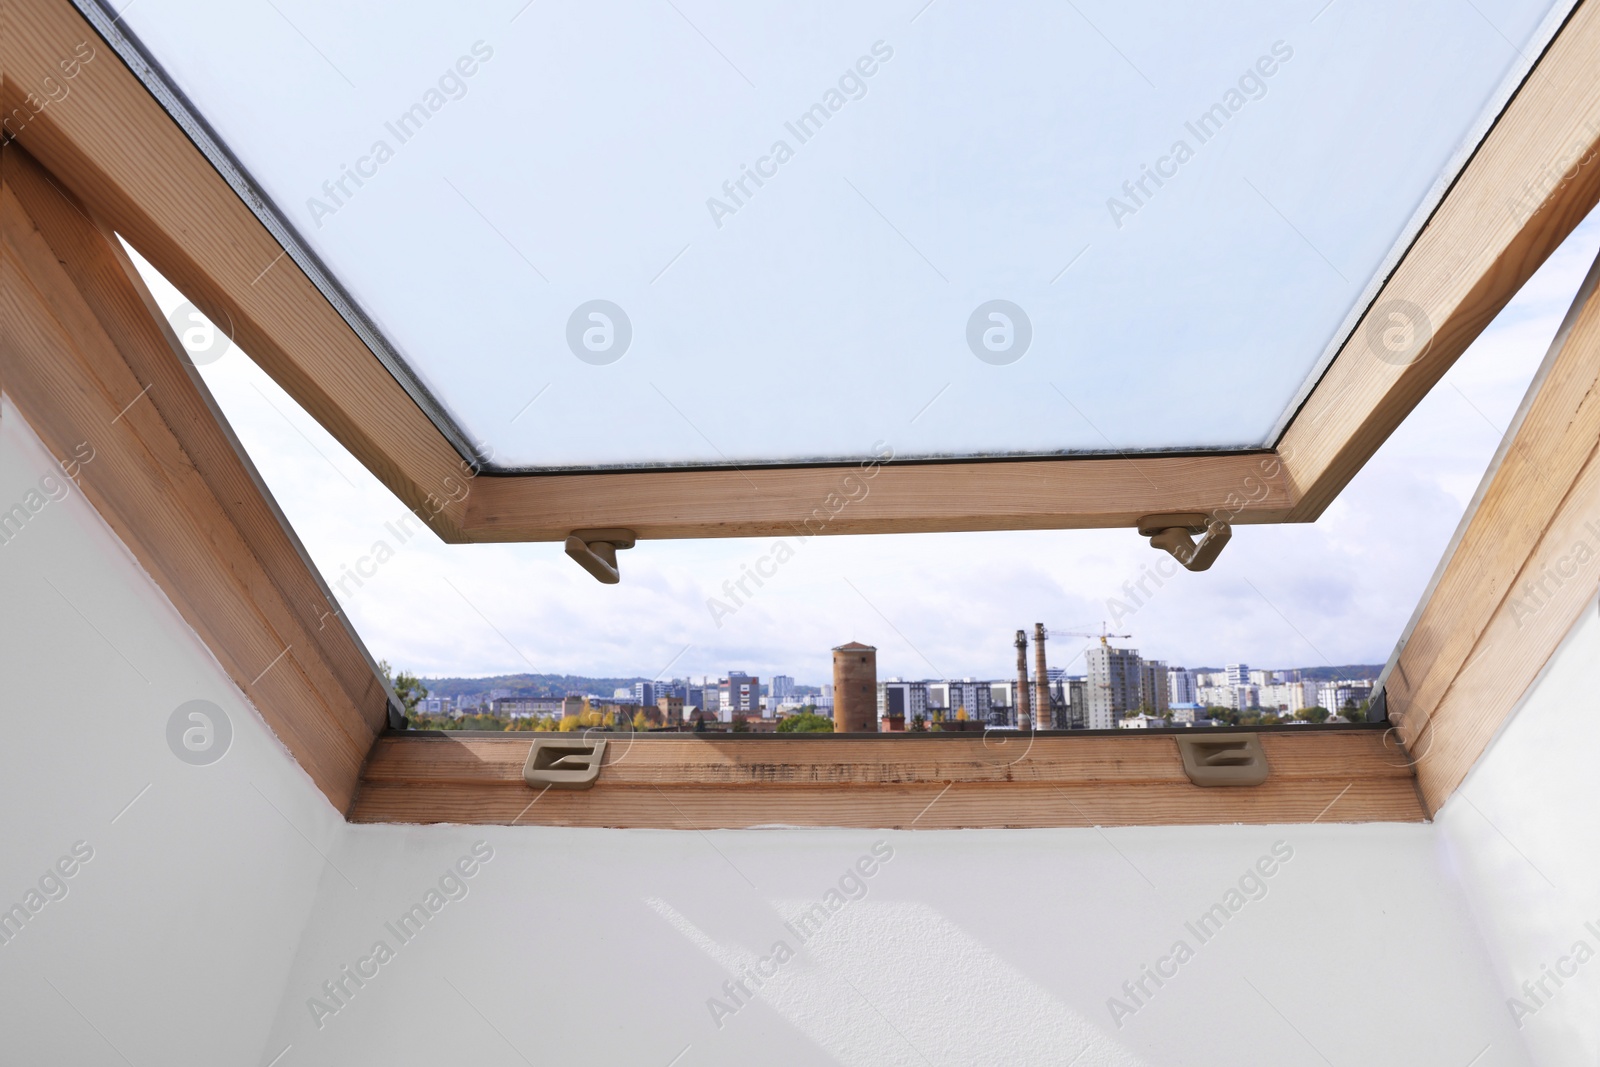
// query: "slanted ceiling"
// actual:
[[87, 359]]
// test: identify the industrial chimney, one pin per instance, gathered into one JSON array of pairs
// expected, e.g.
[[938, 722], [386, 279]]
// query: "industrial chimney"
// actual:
[[1024, 720], [1043, 715]]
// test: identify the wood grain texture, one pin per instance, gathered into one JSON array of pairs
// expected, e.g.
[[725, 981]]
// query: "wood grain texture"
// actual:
[[1532, 180], [1525, 564], [112, 145], [86, 361], [685, 781], [1522, 568], [1010, 495]]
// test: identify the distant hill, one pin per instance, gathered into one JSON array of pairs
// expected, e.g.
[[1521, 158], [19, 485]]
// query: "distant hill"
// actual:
[[557, 685], [1367, 671], [529, 685]]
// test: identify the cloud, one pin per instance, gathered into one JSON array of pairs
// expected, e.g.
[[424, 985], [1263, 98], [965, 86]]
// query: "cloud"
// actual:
[[1338, 591]]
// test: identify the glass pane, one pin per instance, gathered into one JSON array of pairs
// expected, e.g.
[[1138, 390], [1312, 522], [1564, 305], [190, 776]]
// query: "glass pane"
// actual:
[[613, 234]]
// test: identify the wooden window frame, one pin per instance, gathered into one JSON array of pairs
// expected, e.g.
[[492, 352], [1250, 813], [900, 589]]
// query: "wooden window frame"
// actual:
[[1511, 585], [1005, 779], [87, 358]]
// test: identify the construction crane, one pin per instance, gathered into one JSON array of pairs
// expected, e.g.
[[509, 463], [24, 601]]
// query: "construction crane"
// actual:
[[1105, 638], [1044, 705]]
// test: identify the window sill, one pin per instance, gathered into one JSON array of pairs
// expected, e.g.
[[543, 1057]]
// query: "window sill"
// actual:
[[953, 781]]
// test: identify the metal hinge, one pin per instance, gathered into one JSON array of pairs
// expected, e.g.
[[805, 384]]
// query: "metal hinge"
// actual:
[[596, 551], [1175, 534]]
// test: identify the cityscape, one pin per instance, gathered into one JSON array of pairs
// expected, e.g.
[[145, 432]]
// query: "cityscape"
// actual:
[[1118, 689]]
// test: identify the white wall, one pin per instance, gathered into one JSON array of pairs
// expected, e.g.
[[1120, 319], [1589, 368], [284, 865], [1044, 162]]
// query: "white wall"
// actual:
[[173, 941], [1524, 833], [591, 946], [209, 914]]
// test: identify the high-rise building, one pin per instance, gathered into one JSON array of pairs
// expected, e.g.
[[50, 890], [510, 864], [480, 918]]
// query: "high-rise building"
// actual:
[[741, 695], [644, 693], [1003, 703], [1338, 697], [780, 689], [1180, 686], [969, 695], [1286, 698], [899, 699], [1153, 694], [1238, 674], [855, 688], [1112, 684]]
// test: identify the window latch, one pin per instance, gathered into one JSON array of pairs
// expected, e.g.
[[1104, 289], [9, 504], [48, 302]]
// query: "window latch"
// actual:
[[1175, 534], [1232, 759], [559, 763], [596, 551]]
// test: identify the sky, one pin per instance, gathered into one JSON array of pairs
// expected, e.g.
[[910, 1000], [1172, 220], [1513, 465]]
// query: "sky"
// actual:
[[1337, 591]]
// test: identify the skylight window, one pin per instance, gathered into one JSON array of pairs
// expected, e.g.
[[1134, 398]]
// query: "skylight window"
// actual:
[[736, 236]]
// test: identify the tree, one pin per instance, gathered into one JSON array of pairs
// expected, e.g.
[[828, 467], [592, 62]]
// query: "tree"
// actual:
[[961, 715], [641, 721], [569, 724], [407, 686], [1313, 714], [806, 722]]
